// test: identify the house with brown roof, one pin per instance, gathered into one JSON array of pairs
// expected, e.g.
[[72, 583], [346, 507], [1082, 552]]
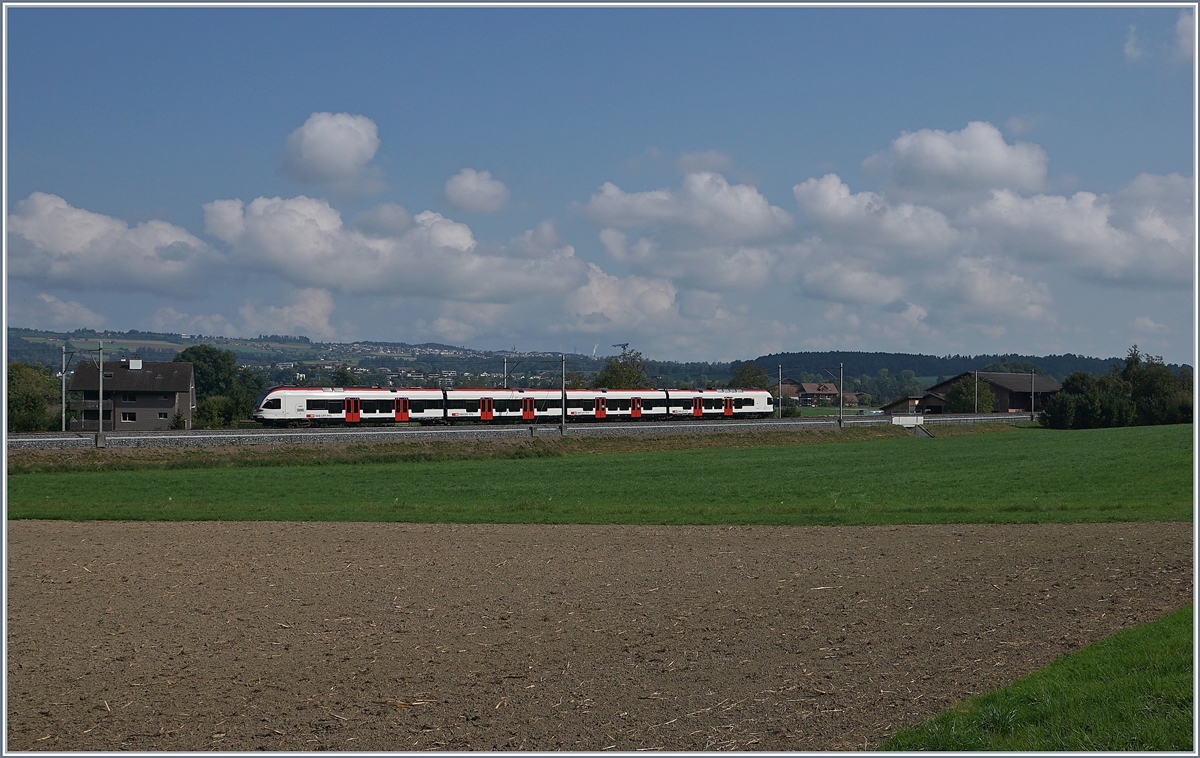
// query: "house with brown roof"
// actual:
[[816, 393], [138, 395]]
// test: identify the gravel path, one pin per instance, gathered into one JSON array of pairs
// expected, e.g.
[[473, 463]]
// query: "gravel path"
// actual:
[[372, 637]]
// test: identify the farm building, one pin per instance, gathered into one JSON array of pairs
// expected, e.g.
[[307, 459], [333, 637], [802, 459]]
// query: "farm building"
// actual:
[[138, 396], [789, 387], [1011, 391]]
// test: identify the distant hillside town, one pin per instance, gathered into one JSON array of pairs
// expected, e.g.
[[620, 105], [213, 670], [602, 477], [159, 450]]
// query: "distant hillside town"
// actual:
[[283, 359]]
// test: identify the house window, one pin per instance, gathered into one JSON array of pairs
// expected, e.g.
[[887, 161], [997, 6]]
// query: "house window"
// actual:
[[162, 415], [163, 396], [128, 416], [129, 397]]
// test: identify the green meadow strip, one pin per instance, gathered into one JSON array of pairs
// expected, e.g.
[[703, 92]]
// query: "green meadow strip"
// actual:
[[1130, 692], [1021, 476]]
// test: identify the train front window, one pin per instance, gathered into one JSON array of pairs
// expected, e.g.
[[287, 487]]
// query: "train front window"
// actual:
[[273, 404]]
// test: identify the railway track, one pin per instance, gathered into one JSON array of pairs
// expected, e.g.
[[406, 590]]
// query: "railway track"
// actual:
[[213, 437]]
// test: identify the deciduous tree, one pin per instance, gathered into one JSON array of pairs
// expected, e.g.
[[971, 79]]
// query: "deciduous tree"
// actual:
[[624, 372], [31, 389], [960, 398]]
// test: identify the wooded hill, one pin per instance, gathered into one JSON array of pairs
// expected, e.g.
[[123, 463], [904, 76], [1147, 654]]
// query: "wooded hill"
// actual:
[[859, 363]]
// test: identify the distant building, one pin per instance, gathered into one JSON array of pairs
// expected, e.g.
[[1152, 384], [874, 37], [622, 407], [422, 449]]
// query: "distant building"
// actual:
[[138, 396], [789, 387], [1012, 393], [815, 393], [905, 406]]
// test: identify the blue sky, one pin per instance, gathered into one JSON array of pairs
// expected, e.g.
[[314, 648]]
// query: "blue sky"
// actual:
[[704, 183]]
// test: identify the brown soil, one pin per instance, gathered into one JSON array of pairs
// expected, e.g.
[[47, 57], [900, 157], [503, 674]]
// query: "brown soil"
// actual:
[[372, 637]]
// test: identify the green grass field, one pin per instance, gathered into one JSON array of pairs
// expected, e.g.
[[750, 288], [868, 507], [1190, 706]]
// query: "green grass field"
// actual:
[[1130, 692], [1019, 475]]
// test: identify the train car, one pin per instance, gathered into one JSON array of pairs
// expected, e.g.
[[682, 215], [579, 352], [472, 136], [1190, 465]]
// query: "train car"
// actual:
[[503, 405], [310, 406], [719, 403], [606, 404]]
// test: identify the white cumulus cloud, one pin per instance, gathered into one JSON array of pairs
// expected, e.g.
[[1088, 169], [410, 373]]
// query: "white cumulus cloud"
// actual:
[[1141, 236], [303, 240], [839, 282], [45, 311], [332, 149], [973, 158], [1185, 35], [307, 314], [1133, 47], [704, 205], [868, 218], [982, 293], [168, 319], [53, 243], [384, 220], [607, 301], [1148, 325], [474, 190]]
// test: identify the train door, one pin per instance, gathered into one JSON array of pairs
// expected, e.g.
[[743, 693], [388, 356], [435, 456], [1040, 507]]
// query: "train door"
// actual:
[[697, 406], [402, 407], [728, 406], [353, 410], [635, 407], [487, 408], [600, 405], [527, 409]]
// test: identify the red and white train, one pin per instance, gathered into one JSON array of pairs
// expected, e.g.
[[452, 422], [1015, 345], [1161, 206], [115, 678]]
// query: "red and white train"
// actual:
[[311, 406]]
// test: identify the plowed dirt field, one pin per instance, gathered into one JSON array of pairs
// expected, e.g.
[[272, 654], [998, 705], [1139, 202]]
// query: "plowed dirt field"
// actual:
[[374, 637]]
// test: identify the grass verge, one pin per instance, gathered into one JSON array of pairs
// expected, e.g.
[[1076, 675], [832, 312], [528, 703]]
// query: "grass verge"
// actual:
[[1019, 476], [1129, 692]]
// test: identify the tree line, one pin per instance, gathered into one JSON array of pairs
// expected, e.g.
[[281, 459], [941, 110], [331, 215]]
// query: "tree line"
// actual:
[[1140, 392]]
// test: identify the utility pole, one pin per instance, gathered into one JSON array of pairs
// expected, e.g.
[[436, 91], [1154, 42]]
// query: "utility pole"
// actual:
[[562, 430], [64, 385], [841, 391], [841, 386], [1032, 395], [100, 441], [780, 385], [976, 390], [506, 372]]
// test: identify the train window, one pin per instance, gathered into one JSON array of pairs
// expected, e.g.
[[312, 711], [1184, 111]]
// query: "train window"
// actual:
[[416, 406], [472, 406], [433, 405], [273, 404], [334, 406], [315, 405], [580, 404]]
